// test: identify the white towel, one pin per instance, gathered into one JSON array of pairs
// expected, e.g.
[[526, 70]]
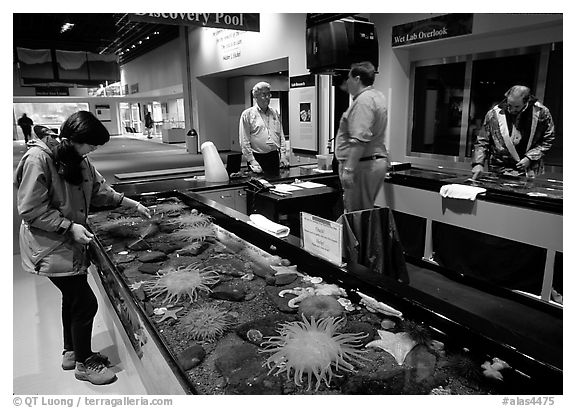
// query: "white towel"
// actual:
[[263, 223], [461, 191]]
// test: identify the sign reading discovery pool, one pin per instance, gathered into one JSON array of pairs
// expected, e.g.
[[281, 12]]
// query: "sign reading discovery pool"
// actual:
[[449, 25], [232, 21]]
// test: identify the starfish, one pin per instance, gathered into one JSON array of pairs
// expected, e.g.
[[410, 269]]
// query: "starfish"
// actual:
[[301, 293], [493, 370], [397, 344], [170, 313], [372, 304], [316, 290]]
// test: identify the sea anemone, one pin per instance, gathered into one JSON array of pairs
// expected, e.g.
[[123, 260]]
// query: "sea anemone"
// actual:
[[186, 280], [192, 219], [198, 232], [312, 348], [122, 227], [417, 332], [170, 207], [206, 323], [465, 366]]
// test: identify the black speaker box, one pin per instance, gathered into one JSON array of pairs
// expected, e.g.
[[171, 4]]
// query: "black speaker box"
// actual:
[[335, 45]]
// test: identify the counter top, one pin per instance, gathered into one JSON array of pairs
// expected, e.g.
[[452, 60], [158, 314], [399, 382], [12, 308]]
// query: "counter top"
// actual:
[[194, 181], [545, 192]]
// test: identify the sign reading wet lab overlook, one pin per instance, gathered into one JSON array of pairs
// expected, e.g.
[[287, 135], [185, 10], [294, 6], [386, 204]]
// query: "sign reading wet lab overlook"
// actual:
[[446, 26], [234, 21]]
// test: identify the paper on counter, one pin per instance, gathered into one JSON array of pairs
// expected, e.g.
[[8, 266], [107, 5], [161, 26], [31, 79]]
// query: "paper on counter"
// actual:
[[286, 188], [310, 184]]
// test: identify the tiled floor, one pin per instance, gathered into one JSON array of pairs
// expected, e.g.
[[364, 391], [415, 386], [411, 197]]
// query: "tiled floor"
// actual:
[[37, 347]]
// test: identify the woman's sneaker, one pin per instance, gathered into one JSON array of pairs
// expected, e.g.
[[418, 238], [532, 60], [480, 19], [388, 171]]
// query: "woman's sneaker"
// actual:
[[95, 371], [69, 359]]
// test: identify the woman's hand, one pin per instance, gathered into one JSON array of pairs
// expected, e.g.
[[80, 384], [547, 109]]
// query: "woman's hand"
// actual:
[[143, 211], [80, 234]]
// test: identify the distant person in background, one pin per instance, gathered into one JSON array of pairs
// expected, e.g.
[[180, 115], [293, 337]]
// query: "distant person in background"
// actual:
[[25, 124], [148, 125], [359, 145], [515, 135], [261, 135], [57, 185]]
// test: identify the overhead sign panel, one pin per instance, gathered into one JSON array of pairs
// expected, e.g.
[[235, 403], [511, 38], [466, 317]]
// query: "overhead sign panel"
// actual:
[[446, 26], [231, 21]]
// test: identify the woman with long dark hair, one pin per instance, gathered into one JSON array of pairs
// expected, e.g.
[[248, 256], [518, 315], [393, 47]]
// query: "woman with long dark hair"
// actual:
[[57, 185]]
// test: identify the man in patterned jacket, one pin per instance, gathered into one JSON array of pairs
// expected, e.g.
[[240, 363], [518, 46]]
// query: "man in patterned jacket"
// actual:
[[515, 135]]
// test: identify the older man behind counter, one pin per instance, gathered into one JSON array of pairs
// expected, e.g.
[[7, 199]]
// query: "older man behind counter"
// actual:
[[515, 135], [261, 135]]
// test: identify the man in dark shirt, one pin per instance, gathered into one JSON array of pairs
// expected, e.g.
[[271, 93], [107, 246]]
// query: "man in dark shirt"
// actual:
[[26, 124]]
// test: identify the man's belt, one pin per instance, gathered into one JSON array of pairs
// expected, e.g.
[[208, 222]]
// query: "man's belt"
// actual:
[[373, 157]]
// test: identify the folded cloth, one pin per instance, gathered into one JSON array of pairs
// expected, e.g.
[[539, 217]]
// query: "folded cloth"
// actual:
[[461, 191], [263, 223]]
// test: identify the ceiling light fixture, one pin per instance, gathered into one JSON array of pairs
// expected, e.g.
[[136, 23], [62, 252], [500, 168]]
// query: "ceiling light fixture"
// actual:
[[65, 27]]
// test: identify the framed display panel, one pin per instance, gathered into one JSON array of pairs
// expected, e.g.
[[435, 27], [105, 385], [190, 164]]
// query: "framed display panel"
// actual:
[[303, 113]]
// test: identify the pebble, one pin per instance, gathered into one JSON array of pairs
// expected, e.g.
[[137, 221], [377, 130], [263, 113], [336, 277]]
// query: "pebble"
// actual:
[[150, 268], [285, 279], [250, 296], [152, 256], [270, 280], [228, 292], [387, 324], [262, 270], [191, 357], [124, 257]]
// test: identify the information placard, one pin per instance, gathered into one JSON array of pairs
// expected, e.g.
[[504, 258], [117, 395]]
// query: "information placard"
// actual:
[[322, 237]]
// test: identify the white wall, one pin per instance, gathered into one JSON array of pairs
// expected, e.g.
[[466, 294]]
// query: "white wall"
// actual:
[[280, 36], [158, 72]]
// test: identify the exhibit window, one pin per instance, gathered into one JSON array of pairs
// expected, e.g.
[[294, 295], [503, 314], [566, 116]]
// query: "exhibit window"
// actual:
[[130, 117], [48, 114], [438, 97], [450, 97]]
